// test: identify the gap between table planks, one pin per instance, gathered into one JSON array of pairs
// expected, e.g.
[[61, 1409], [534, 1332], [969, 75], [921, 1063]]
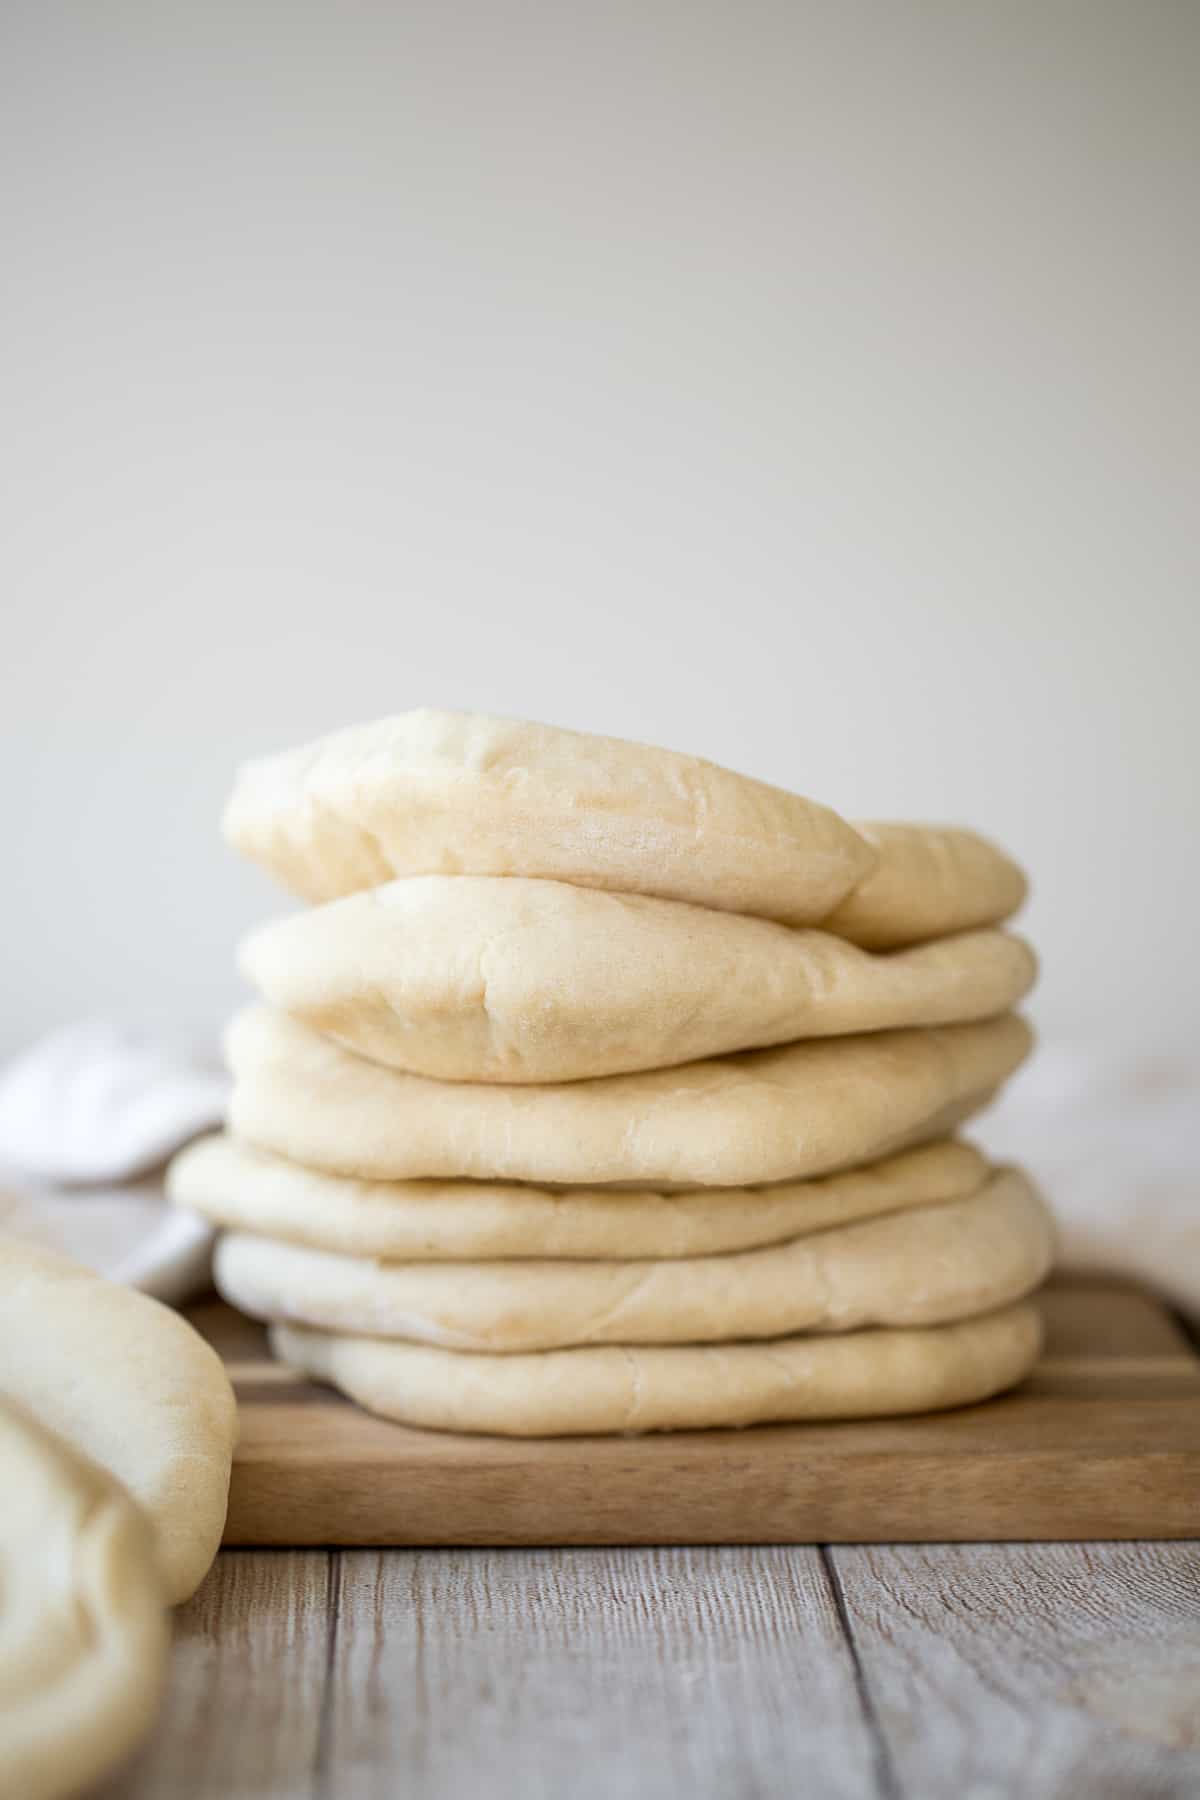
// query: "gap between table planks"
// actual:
[[1102, 1442]]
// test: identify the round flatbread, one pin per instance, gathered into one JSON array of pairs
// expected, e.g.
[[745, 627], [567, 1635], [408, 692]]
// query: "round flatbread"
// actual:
[[435, 793], [762, 1116], [244, 1189], [479, 978], [930, 880], [601, 1388], [83, 1623], [928, 1266], [129, 1383]]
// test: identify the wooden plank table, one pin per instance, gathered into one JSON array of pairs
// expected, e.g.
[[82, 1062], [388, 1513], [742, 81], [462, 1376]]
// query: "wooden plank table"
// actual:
[[1032, 1671], [853, 1672]]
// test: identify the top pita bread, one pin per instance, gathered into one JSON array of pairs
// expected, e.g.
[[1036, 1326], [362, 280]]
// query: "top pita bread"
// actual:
[[448, 793], [479, 978], [128, 1382], [762, 1116], [83, 1629]]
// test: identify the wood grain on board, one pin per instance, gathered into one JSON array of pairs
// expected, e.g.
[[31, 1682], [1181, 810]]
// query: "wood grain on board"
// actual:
[[1102, 1442]]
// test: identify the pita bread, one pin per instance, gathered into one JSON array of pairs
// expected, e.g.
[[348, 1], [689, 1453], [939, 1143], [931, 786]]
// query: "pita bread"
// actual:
[[435, 793], [83, 1623], [930, 880], [248, 1190], [928, 1266], [476, 978], [561, 1393], [128, 1383], [763, 1116]]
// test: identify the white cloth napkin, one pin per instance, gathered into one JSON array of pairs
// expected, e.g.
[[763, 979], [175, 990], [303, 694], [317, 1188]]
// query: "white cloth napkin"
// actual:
[[88, 1117], [1111, 1137]]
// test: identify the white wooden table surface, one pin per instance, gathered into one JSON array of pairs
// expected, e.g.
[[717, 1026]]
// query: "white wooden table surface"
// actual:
[[965, 1671]]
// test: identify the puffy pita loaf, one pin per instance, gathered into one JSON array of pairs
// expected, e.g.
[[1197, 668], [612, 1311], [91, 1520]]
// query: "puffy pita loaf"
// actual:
[[928, 1266], [83, 1624], [430, 793], [129, 1383], [476, 978], [930, 880], [244, 1189], [603, 1388], [762, 1116]]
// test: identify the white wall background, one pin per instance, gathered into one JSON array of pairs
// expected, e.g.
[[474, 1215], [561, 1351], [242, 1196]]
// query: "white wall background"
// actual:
[[810, 386]]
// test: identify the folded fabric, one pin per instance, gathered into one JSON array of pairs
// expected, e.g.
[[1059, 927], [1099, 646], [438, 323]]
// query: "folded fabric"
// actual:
[[93, 1102], [87, 1114], [1109, 1134]]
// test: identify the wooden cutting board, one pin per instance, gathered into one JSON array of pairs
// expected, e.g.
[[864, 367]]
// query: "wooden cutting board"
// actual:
[[1103, 1441]]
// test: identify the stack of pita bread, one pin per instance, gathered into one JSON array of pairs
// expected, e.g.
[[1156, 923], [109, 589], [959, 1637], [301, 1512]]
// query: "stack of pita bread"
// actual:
[[601, 1089]]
